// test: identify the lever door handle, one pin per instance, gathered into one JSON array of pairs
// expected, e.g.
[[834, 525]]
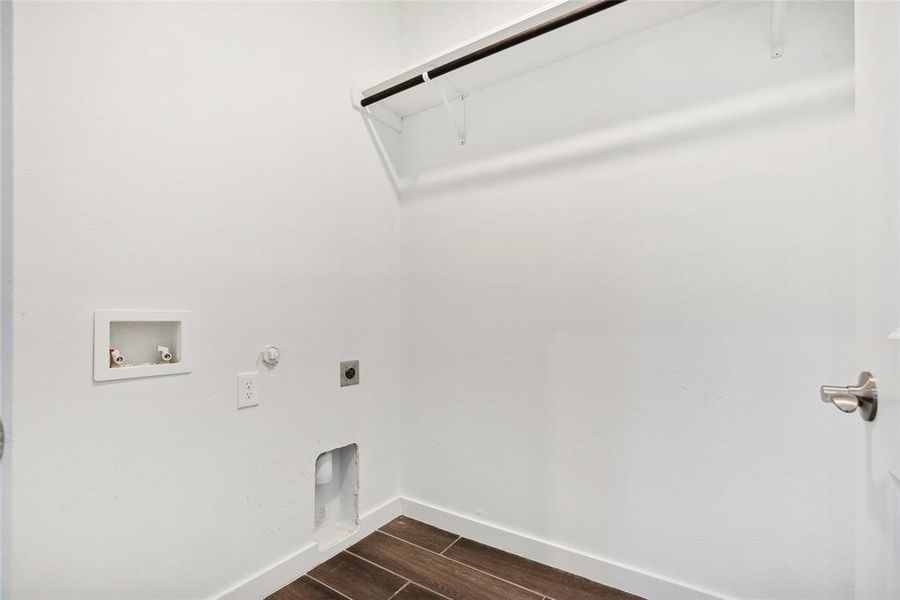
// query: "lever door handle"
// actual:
[[863, 395]]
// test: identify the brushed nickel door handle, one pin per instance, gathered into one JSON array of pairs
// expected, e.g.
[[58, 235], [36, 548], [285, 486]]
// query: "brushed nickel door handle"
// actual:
[[863, 395]]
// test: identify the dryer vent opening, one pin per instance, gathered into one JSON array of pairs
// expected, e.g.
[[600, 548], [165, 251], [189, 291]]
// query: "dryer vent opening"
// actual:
[[337, 495]]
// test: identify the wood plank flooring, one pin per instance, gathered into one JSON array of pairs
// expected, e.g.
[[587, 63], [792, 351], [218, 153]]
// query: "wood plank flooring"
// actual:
[[410, 560]]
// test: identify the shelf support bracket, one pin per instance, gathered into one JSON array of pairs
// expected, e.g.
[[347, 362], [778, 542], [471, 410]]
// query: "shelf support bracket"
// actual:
[[778, 9], [376, 113], [454, 101]]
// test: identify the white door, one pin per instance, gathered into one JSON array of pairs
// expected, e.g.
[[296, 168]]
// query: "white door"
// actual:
[[873, 161]]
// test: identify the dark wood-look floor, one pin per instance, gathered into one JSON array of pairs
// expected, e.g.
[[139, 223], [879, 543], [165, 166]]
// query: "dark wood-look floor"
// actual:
[[409, 560]]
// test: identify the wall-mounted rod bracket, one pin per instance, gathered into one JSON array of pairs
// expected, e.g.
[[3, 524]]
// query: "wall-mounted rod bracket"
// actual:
[[454, 101], [778, 10]]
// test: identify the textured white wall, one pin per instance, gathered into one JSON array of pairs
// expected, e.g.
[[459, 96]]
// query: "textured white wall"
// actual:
[[196, 156], [616, 344]]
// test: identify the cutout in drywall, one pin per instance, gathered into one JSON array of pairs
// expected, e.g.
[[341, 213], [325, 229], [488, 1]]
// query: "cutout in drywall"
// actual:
[[337, 495]]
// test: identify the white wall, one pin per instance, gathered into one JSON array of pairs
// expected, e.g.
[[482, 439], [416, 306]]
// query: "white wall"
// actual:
[[618, 304], [195, 156]]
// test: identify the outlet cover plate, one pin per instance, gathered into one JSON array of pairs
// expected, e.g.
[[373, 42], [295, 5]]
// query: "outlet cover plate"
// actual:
[[247, 390]]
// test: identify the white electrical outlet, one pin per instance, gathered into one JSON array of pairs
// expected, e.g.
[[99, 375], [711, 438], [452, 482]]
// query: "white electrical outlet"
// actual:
[[247, 393]]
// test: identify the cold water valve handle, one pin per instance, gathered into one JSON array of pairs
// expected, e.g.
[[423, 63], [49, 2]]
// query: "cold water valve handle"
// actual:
[[864, 396]]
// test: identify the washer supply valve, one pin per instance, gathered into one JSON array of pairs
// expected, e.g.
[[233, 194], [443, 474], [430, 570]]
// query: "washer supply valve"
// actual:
[[164, 353], [115, 357]]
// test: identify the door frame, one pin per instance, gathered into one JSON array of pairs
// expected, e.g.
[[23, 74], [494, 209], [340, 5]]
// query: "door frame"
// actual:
[[6, 283]]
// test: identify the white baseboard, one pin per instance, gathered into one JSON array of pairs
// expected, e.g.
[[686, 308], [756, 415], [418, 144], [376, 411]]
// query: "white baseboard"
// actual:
[[287, 570], [595, 568]]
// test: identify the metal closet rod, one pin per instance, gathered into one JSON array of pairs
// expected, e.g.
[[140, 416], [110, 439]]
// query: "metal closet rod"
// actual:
[[490, 50]]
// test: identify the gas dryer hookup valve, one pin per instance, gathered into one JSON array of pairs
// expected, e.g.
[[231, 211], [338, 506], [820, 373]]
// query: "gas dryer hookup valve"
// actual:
[[270, 356]]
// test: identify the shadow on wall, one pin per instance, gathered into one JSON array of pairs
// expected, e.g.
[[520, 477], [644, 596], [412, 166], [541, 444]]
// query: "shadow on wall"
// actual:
[[709, 71]]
